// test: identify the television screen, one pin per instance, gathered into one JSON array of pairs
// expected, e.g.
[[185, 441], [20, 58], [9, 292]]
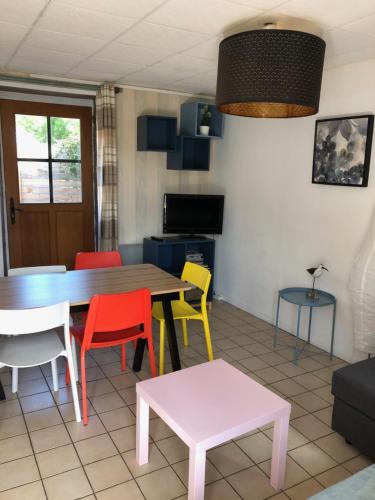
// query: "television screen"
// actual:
[[193, 213]]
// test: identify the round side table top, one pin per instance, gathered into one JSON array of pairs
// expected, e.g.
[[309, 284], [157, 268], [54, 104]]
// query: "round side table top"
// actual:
[[297, 295]]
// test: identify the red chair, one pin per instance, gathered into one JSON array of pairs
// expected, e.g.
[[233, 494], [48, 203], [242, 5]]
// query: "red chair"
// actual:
[[114, 320], [94, 260]]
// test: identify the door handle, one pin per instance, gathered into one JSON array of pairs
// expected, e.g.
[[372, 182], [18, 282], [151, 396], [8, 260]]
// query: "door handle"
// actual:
[[13, 210]]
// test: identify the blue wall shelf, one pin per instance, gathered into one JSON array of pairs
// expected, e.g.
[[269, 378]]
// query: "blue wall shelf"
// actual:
[[192, 153], [191, 119], [156, 133]]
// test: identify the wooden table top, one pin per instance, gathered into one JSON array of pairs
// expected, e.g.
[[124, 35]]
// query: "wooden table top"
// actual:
[[36, 290]]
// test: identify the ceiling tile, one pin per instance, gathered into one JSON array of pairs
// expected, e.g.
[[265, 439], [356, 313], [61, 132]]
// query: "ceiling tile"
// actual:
[[183, 66], [206, 50], [152, 77], [354, 56], [330, 13], [92, 75], [6, 51], [21, 11], [208, 16], [158, 37], [12, 34], [365, 25], [261, 4], [126, 8], [66, 19], [340, 41], [64, 42], [133, 54], [105, 66], [38, 68], [48, 56]]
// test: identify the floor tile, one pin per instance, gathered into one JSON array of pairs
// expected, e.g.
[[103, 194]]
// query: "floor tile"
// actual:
[[173, 448], [229, 458], [124, 380], [10, 409], [289, 388], [295, 438], [309, 380], [107, 473], [311, 402], [18, 472], [52, 437], [37, 402], [311, 427], [220, 490], [58, 460], [95, 448], [294, 473], [332, 476], [29, 387], [12, 427], [98, 388], [115, 419], [78, 431], [31, 491], [159, 429], [156, 461], [258, 447], [290, 369], [312, 459], [253, 363], [304, 490], [128, 395], [251, 484], [128, 490], [325, 393], [67, 411], [124, 438], [325, 415], [67, 486], [270, 375], [42, 418], [15, 447], [357, 463], [163, 484], [107, 402], [182, 470], [337, 448]]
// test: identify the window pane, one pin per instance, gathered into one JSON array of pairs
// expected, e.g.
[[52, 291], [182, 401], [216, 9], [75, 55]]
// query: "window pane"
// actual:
[[66, 178], [65, 138], [32, 137], [33, 182]]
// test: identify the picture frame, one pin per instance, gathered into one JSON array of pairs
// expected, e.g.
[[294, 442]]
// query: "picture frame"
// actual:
[[342, 150]]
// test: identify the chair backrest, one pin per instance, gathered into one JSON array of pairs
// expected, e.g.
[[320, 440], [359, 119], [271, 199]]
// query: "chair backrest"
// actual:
[[40, 319], [94, 260], [119, 311], [18, 271], [198, 276]]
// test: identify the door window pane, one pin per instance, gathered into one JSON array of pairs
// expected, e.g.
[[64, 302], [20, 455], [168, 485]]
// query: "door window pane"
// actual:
[[33, 182], [66, 181], [65, 138], [31, 136]]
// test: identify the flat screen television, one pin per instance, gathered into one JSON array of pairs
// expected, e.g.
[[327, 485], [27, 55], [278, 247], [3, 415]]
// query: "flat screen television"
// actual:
[[193, 213]]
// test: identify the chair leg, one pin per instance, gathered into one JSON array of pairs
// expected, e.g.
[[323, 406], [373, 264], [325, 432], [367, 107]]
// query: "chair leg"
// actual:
[[151, 356], [123, 357], [74, 356], [14, 379], [67, 374], [55, 379], [207, 334], [83, 385], [161, 347], [184, 332]]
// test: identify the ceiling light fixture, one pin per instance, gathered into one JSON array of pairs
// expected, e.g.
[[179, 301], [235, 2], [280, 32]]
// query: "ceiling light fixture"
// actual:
[[270, 73]]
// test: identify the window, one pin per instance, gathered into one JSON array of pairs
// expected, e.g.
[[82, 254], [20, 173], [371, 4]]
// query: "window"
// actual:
[[48, 159]]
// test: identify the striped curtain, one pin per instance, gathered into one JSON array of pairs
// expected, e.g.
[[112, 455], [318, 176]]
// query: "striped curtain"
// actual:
[[106, 168]]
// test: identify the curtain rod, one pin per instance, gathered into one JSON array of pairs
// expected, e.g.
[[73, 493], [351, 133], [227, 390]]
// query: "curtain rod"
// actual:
[[52, 83]]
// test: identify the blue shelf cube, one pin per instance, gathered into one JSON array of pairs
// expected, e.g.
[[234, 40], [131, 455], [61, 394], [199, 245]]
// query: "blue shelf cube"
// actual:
[[156, 133], [191, 119], [192, 153]]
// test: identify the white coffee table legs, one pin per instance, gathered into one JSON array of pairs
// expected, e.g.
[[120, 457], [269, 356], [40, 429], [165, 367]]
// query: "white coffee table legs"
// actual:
[[279, 451], [197, 467], [142, 431]]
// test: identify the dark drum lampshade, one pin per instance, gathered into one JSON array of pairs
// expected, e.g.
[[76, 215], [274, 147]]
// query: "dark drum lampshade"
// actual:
[[270, 73]]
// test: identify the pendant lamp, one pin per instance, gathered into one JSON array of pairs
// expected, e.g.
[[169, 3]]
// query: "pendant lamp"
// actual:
[[270, 73]]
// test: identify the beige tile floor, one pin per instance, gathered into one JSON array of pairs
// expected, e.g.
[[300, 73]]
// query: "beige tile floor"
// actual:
[[44, 453]]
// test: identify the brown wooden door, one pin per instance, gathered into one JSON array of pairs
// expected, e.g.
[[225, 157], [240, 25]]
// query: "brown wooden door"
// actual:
[[48, 174]]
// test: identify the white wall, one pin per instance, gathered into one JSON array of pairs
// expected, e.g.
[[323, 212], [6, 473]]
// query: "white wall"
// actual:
[[277, 223]]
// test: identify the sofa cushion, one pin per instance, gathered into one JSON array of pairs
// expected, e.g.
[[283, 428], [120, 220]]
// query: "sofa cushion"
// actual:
[[355, 384]]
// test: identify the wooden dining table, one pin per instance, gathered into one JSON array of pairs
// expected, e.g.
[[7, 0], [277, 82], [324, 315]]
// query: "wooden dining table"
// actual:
[[38, 290]]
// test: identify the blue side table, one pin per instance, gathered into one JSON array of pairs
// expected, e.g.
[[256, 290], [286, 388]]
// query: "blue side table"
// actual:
[[298, 296]]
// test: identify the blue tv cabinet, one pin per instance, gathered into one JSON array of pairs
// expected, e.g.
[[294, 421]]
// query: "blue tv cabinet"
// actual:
[[170, 254]]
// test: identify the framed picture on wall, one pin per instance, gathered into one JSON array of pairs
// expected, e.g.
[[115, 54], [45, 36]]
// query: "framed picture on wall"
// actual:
[[342, 150]]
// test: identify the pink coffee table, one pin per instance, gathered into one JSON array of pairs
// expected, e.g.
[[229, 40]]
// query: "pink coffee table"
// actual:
[[206, 405]]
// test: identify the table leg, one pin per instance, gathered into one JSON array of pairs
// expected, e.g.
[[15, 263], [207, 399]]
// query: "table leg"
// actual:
[[333, 329], [277, 324], [142, 431], [197, 466], [309, 333], [138, 355], [2, 393], [279, 451], [297, 336], [171, 333]]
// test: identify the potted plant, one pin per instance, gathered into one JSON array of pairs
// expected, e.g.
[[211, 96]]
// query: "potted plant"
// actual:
[[204, 128]]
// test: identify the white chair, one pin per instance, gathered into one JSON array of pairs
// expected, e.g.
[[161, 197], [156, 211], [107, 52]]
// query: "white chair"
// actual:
[[29, 340], [19, 271]]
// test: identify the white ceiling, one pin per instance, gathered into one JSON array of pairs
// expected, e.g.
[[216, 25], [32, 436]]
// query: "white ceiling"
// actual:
[[166, 44]]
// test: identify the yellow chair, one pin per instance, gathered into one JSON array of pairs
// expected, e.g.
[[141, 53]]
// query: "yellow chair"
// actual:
[[199, 277]]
